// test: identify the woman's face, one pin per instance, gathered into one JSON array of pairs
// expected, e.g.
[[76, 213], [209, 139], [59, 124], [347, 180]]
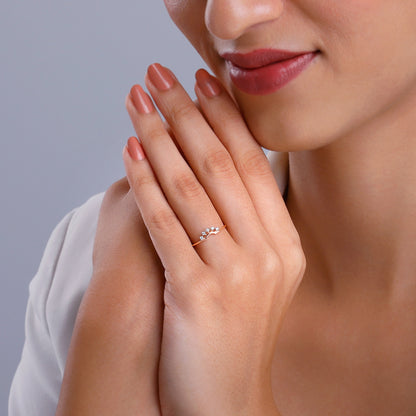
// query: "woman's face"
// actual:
[[366, 61]]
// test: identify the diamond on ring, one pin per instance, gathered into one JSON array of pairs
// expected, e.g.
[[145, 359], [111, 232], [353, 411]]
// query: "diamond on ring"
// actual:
[[207, 232]]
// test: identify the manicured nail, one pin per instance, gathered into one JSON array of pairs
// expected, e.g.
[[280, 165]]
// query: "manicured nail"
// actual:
[[141, 100], [135, 149], [208, 84], [160, 77]]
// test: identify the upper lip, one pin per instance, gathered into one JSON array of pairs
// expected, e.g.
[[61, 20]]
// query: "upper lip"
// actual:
[[260, 57]]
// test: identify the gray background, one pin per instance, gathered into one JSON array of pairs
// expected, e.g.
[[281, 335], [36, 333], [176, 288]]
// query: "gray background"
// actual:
[[66, 67]]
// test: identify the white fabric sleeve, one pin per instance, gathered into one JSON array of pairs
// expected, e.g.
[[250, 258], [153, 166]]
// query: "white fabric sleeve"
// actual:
[[55, 294], [35, 386]]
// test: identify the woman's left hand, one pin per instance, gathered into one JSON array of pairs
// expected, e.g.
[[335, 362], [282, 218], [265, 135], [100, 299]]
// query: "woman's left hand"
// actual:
[[226, 297]]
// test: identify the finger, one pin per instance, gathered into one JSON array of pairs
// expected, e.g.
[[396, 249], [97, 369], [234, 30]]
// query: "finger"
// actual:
[[165, 124], [168, 236], [250, 161], [209, 159], [182, 189]]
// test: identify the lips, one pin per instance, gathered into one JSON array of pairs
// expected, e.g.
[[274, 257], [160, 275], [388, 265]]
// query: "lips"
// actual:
[[265, 71], [260, 57]]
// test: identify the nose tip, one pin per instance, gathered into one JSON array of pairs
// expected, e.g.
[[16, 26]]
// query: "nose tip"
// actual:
[[229, 19]]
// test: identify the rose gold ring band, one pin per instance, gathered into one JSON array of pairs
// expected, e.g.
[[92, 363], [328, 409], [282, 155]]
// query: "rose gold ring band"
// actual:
[[207, 232]]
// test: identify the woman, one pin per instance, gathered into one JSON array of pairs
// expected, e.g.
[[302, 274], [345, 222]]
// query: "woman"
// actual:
[[295, 306]]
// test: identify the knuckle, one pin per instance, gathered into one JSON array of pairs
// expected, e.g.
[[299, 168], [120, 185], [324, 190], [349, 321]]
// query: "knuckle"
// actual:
[[186, 186], [181, 112], [295, 260], [161, 220], [155, 134], [302, 263], [254, 163], [142, 181], [218, 162], [231, 118], [271, 264]]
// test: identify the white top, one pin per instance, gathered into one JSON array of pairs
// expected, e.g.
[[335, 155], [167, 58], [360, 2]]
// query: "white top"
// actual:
[[55, 295]]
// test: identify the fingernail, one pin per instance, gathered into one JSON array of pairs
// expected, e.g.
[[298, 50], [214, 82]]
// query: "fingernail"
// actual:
[[135, 149], [160, 77], [208, 84], [141, 100]]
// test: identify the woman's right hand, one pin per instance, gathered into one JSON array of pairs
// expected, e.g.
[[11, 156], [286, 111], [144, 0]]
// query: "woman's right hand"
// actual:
[[112, 363]]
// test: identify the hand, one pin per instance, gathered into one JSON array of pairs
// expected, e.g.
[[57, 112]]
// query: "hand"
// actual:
[[112, 365], [225, 298]]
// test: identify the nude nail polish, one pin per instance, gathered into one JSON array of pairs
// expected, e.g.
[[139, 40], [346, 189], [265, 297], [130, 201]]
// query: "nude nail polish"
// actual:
[[208, 85], [160, 77], [141, 100], [135, 149]]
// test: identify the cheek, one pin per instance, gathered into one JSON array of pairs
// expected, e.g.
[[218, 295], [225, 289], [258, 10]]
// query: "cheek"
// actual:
[[188, 16], [374, 43], [175, 9], [174, 6], [180, 11]]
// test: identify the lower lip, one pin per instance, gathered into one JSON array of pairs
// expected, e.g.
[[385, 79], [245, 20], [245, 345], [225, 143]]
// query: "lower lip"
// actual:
[[269, 78]]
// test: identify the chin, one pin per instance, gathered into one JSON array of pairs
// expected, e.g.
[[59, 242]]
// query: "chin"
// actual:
[[291, 120], [285, 131]]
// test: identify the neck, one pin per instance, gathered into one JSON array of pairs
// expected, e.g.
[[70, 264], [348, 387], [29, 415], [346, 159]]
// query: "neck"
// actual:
[[353, 203]]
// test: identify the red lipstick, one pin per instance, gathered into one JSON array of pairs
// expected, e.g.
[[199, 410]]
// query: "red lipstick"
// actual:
[[264, 71]]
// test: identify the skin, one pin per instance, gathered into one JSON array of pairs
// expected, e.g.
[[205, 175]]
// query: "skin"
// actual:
[[349, 124], [342, 340]]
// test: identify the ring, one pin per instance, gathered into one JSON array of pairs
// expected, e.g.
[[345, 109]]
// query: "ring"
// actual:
[[207, 232]]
